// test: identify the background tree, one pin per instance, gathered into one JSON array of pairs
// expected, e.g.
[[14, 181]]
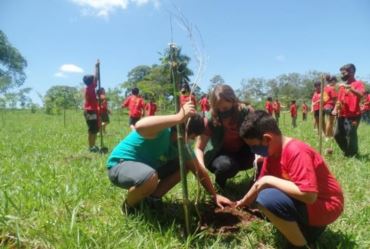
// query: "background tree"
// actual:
[[215, 80], [134, 76], [59, 98], [12, 75]]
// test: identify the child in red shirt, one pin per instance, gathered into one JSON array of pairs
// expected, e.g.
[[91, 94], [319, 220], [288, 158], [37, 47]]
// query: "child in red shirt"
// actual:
[[295, 189], [135, 105], [293, 113], [315, 105], [150, 108], [329, 98], [348, 105], [104, 111], [277, 107], [91, 108], [204, 104], [268, 106], [304, 111], [185, 95]]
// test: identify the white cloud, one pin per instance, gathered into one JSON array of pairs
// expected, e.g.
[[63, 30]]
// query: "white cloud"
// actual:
[[280, 58], [103, 8], [70, 68], [66, 69]]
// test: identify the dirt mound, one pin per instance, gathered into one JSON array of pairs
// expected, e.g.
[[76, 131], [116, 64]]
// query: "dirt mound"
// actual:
[[225, 221]]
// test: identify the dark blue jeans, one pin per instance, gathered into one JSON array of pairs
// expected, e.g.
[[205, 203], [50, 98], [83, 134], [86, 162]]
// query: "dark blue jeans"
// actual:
[[346, 135]]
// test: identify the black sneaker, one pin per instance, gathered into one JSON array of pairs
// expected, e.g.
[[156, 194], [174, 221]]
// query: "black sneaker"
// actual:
[[153, 202], [94, 149]]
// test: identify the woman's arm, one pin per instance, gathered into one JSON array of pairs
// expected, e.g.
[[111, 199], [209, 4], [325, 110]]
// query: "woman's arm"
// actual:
[[149, 127]]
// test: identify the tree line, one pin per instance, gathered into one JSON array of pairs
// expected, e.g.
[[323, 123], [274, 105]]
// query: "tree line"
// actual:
[[154, 82]]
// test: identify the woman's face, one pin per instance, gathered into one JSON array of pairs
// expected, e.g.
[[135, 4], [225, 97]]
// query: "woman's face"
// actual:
[[223, 105]]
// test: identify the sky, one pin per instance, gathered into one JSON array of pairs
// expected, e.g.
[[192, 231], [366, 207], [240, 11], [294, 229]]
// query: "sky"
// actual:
[[239, 39]]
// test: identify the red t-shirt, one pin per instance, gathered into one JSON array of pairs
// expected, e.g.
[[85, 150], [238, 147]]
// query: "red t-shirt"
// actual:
[[304, 108], [186, 98], [104, 105], [231, 140], [91, 103], [367, 103], [329, 97], [150, 108], [276, 106], [293, 110], [316, 101], [302, 165], [204, 105], [268, 107], [135, 105], [350, 103]]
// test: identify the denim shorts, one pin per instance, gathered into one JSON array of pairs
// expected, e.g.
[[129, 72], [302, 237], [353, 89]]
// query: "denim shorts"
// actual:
[[127, 174], [289, 209]]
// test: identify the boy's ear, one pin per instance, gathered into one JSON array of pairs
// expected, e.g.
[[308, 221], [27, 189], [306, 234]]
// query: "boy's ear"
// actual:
[[266, 138]]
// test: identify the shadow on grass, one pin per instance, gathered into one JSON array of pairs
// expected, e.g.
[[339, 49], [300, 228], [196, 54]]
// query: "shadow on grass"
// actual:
[[328, 240], [363, 157]]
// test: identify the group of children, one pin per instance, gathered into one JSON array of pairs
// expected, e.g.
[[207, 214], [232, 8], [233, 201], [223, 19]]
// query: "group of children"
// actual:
[[294, 187]]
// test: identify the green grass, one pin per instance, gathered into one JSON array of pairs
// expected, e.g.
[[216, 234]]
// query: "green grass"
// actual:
[[54, 194]]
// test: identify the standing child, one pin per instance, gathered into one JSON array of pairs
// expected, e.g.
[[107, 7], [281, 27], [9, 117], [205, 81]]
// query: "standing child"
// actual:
[[204, 104], [268, 106], [277, 107], [304, 111], [295, 189], [185, 95], [135, 105], [348, 104], [150, 108], [91, 106], [293, 113], [315, 105], [329, 98], [104, 111]]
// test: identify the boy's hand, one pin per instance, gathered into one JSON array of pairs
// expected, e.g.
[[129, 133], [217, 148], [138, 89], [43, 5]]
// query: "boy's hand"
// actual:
[[222, 201]]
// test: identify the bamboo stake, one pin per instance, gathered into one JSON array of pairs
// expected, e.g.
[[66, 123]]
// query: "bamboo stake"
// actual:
[[320, 112], [176, 79]]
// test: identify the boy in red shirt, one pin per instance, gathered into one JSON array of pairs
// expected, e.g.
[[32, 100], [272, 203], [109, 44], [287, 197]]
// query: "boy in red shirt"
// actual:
[[150, 108], [315, 105], [304, 111], [293, 113], [329, 98], [104, 111], [348, 105], [204, 105], [276, 107], [135, 105], [295, 188], [268, 106], [91, 106], [185, 95]]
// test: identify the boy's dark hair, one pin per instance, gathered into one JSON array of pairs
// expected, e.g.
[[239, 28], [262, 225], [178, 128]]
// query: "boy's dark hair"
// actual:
[[269, 98], [350, 68], [317, 84], [293, 101], [185, 88], [88, 79], [135, 91], [258, 123], [100, 90], [196, 125]]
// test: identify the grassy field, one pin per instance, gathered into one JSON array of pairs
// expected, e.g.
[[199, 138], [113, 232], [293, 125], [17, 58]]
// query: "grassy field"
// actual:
[[55, 194]]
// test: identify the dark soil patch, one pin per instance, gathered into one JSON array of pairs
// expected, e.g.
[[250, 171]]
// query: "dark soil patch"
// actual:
[[225, 221]]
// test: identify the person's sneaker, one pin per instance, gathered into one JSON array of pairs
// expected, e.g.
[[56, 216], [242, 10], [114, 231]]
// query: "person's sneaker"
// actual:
[[94, 149], [153, 202], [127, 210]]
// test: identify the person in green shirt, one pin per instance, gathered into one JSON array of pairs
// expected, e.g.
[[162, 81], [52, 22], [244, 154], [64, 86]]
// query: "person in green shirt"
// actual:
[[146, 161]]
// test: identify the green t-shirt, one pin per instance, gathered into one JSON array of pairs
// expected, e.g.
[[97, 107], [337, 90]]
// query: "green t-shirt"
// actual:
[[153, 152]]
